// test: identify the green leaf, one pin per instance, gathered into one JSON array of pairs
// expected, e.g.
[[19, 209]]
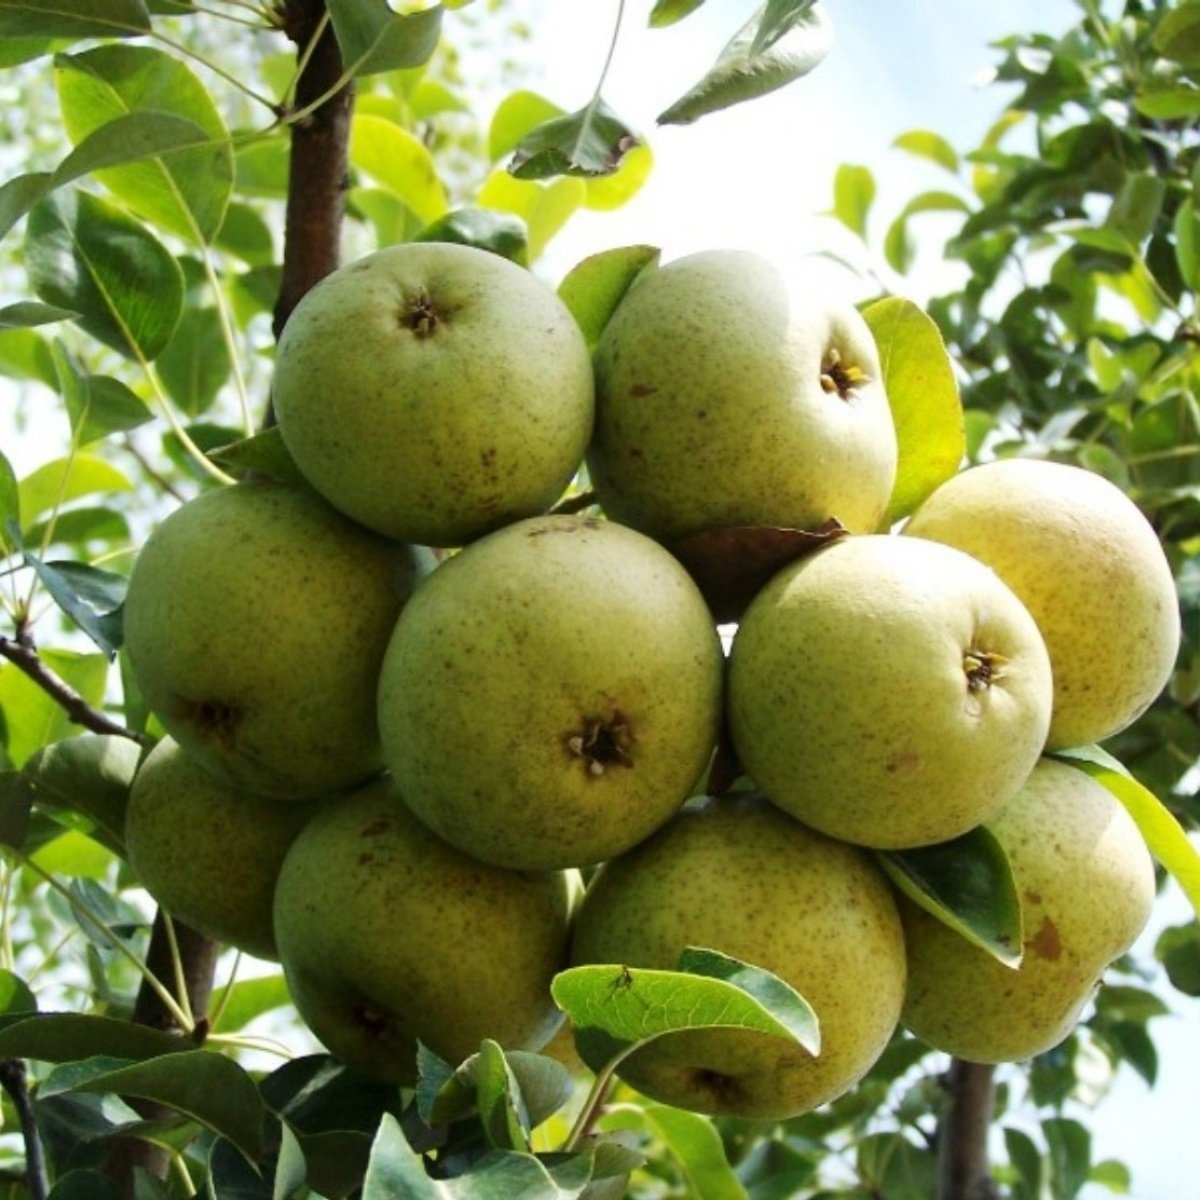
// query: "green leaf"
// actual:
[[499, 233], [97, 405], [694, 1141], [63, 1037], [544, 207], [1070, 1145], [498, 1096], [73, 18], [28, 312], [739, 74], [587, 143], [260, 454], [924, 143], [606, 192], [85, 1185], [206, 1087], [145, 116], [10, 505], [86, 255], [196, 362], [966, 883], [20, 194], [374, 39], [82, 860], [15, 996], [291, 1169], [1177, 35], [1178, 949], [1168, 103], [923, 394], [615, 1009], [667, 12], [544, 1085], [1024, 1156], [1164, 835], [393, 156], [853, 194], [66, 479], [33, 719], [1187, 243], [89, 774], [593, 288], [395, 1170], [247, 999], [16, 809], [92, 598], [515, 115], [15, 51], [1134, 213], [1113, 1175], [777, 18]]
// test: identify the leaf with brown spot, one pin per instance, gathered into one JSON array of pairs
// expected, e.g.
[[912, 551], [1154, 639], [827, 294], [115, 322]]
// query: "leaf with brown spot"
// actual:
[[731, 566]]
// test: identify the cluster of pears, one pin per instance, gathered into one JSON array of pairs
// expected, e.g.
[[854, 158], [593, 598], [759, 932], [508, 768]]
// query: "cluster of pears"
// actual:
[[388, 767]]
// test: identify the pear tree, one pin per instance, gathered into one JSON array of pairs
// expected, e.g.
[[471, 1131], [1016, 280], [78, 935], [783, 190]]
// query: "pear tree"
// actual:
[[474, 733]]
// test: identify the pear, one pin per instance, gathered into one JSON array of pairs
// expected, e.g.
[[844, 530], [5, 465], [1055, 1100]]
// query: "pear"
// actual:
[[1090, 569], [888, 691], [1086, 885], [388, 936], [728, 394], [552, 693], [255, 622], [434, 392], [738, 876], [207, 852]]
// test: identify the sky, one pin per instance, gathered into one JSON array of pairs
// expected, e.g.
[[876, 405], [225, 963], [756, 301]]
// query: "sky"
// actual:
[[757, 177]]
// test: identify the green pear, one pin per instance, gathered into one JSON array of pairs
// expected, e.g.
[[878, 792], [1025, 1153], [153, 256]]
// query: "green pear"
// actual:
[[388, 936], [888, 691], [728, 394], [434, 392], [552, 694], [255, 623], [207, 852], [1086, 885], [738, 876], [1090, 569]]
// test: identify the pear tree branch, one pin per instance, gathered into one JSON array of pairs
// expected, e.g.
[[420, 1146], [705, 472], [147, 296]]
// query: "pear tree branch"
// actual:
[[21, 652], [963, 1172]]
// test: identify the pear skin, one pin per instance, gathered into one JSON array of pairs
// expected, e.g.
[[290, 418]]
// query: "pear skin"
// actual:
[[738, 876]]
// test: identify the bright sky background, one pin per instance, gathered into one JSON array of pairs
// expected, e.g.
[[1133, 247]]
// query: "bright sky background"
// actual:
[[756, 177]]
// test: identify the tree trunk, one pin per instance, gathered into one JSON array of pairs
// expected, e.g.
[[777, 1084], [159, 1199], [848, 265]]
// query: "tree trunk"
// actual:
[[317, 175], [963, 1134]]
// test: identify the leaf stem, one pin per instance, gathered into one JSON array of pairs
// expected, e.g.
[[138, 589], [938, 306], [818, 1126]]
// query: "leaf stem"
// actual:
[[81, 909], [227, 76], [595, 1098], [236, 1041], [226, 994], [181, 991], [585, 126]]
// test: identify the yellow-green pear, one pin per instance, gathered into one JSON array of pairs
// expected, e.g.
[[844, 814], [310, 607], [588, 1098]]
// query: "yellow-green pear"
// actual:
[[738, 876], [888, 691], [551, 695], [1088, 566], [730, 394], [389, 936], [1086, 886], [434, 392], [255, 623], [208, 852]]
